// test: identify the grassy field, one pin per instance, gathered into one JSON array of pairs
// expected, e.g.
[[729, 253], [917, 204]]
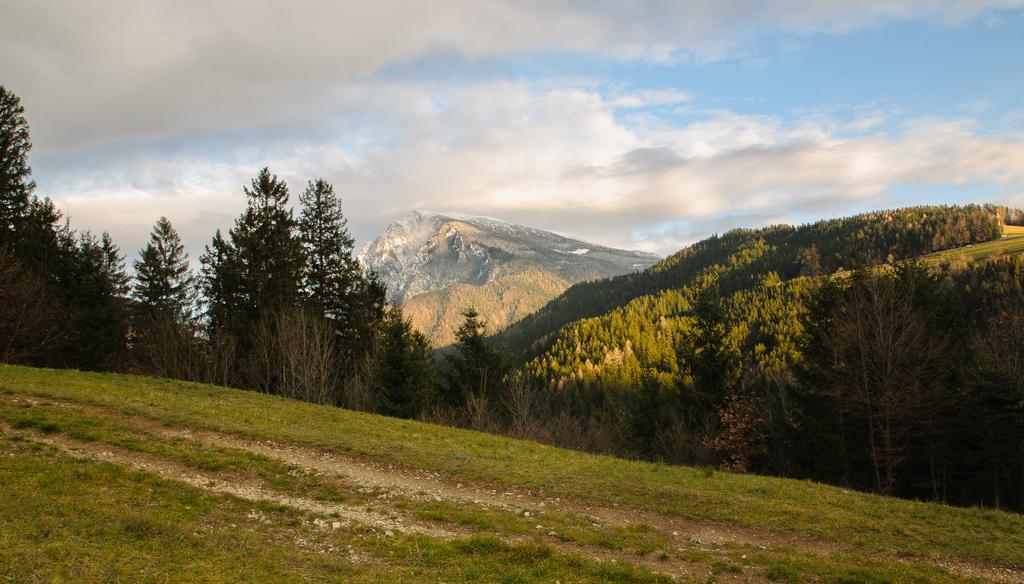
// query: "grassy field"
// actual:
[[1012, 242], [64, 518]]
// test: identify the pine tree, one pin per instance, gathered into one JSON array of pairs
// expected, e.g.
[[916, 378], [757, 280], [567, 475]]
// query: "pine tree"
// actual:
[[16, 185], [712, 360], [406, 383], [93, 287], [333, 281], [367, 312], [112, 267], [331, 273], [163, 280], [476, 368], [38, 244], [268, 250], [258, 270], [218, 282]]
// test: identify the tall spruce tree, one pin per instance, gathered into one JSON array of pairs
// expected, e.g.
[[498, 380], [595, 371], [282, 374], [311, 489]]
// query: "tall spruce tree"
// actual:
[[217, 281], [267, 247], [333, 280], [476, 369], [258, 270], [163, 279], [712, 361], [331, 273], [406, 383], [94, 287], [16, 185]]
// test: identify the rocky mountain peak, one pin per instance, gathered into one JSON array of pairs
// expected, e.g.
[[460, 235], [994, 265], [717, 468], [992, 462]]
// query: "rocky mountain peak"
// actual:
[[428, 254]]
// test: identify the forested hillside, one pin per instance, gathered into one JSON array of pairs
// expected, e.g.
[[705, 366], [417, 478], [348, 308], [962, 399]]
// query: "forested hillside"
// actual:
[[866, 377], [750, 254]]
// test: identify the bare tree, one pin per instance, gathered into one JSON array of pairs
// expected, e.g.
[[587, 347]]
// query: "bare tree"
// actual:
[[261, 364], [306, 355], [886, 364], [31, 321], [164, 347], [478, 412], [356, 389], [523, 404], [222, 359]]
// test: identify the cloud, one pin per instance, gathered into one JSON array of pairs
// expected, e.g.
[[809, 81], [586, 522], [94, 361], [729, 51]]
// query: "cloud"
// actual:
[[102, 72], [558, 157], [141, 108], [868, 121]]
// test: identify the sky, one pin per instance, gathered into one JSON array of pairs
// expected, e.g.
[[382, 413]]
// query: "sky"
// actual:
[[640, 124]]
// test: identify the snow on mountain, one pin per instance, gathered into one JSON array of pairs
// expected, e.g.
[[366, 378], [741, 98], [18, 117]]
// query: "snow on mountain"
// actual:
[[452, 260]]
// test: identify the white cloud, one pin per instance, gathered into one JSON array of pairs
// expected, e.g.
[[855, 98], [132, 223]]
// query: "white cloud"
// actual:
[[867, 121], [97, 72], [141, 108], [556, 157]]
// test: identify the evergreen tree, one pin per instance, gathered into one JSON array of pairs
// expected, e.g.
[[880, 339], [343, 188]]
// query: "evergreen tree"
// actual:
[[712, 361], [93, 287], [38, 245], [407, 374], [333, 281], [331, 273], [268, 250], [163, 280], [16, 185], [113, 267], [218, 281], [367, 312], [476, 369], [258, 270]]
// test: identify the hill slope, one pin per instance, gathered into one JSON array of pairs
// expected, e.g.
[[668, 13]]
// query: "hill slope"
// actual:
[[438, 265], [124, 477], [745, 256]]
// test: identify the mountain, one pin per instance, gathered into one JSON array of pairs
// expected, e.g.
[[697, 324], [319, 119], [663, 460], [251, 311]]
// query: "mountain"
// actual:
[[436, 265]]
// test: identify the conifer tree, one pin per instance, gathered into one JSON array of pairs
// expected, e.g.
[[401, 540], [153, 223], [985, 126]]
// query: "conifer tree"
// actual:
[[267, 247], [218, 283], [258, 269], [476, 368], [712, 360], [406, 383], [16, 185], [163, 280], [94, 289], [331, 273], [366, 314]]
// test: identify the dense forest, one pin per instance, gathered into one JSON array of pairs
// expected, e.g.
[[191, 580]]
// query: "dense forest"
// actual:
[[901, 378], [819, 248], [824, 351]]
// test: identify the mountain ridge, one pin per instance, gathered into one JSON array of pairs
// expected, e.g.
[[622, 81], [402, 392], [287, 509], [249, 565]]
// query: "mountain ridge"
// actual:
[[436, 265]]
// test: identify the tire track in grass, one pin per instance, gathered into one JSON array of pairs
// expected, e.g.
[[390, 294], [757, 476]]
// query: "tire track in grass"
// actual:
[[431, 486]]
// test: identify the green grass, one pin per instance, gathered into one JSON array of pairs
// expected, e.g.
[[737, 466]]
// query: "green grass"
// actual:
[[117, 525], [1011, 243], [876, 525], [239, 463]]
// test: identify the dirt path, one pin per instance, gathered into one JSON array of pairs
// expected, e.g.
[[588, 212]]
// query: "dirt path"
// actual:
[[341, 514], [396, 481], [424, 485], [332, 515]]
